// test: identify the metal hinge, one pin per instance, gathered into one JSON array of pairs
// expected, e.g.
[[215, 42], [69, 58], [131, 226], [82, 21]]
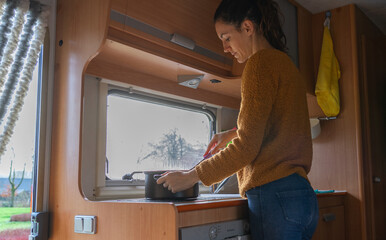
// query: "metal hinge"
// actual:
[[39, 226]]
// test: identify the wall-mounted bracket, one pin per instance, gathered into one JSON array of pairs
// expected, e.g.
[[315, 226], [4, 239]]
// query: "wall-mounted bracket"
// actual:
[[39, 226]]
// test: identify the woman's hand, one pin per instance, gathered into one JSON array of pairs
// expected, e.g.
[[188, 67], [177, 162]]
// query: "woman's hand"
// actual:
[[220, 141], [179, 180]]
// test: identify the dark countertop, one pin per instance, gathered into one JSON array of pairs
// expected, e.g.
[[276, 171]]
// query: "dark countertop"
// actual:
[[207, 201], [201, 198], [203, 201]]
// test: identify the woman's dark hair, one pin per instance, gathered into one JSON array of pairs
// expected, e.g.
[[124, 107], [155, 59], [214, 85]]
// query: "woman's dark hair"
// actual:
[[263, 13]]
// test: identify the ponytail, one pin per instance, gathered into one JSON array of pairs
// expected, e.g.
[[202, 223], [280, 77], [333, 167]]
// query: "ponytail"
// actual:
[[263, 13]]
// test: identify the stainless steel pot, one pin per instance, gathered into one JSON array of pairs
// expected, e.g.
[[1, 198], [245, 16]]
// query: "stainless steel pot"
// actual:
[[158, 192]]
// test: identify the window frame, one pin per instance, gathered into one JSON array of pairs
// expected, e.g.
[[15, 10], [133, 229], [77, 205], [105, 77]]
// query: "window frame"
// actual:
[[164, 101], [94, 185], [41, 168]]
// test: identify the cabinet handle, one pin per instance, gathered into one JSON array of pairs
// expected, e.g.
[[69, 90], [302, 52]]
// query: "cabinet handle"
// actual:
[[377, 179], [328, 217]]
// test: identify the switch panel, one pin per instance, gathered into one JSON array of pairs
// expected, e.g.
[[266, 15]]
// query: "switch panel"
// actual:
[[85, 224]]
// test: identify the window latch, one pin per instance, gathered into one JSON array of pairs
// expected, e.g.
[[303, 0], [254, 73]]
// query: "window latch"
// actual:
[[39, 226]]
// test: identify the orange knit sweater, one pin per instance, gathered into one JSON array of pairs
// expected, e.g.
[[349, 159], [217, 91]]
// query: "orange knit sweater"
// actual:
[[273, 137]]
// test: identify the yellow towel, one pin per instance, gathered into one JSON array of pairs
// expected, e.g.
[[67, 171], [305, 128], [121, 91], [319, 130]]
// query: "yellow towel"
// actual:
[[327, 87]]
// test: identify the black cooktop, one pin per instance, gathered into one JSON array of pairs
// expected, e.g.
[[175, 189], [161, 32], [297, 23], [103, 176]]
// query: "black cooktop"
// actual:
[[201, 197]]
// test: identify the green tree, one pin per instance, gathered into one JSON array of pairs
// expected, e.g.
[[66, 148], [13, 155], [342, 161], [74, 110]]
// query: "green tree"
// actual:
[[14, 186]]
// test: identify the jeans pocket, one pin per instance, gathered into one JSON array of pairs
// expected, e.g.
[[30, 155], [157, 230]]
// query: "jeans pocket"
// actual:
[[298, 205]]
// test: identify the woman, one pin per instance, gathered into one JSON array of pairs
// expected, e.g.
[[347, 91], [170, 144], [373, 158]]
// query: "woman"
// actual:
[[271, 150]]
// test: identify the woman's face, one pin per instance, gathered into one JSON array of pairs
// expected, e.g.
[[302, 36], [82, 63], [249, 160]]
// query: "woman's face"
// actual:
[[238, 43]]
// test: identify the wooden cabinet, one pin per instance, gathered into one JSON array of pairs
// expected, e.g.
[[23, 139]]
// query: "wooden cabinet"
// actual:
[[212, 215], [190, 18], [138, 50], [350, 150], [150, 25], [331, 225], [372, 76]]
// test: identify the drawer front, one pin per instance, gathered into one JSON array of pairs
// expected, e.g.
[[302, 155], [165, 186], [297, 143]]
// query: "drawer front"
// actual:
[[331, 224]]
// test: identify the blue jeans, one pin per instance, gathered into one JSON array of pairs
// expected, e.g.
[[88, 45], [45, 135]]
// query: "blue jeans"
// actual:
[[285, 209]]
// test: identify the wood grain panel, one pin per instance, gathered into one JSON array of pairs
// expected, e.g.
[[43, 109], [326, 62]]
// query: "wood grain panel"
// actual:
[[237, 68], [336, 152], [326, 200], [213, 204], [119, 5], [305, 46], [329, 228], [372, 59], [314, 110], [165, 49], [82, 25], [190, 18], [147, 81], [128, 65], [306, 58], [331, 204], [199, 217]]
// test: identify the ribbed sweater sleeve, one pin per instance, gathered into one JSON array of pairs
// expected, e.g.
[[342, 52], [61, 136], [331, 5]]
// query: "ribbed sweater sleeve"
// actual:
[[258, 90]]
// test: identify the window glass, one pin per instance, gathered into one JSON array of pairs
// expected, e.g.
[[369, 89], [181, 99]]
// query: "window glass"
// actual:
[[146, 135], [16, 169]]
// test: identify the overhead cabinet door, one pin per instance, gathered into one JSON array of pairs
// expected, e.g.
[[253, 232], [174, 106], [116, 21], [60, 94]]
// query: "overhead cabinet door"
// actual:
[[186, 27]]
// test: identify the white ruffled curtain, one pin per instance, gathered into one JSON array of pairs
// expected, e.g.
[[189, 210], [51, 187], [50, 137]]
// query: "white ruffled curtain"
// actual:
[[22, 29]]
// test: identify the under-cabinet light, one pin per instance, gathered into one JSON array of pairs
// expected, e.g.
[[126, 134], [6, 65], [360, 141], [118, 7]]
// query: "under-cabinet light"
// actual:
[[191, 81]]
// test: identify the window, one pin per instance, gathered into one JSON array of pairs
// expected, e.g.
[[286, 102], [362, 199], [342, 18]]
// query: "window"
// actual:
[[18, 163], [147, 133], [128, 129]]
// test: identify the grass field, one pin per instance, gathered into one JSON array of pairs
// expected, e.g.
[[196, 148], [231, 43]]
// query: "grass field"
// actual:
[[6, 213]]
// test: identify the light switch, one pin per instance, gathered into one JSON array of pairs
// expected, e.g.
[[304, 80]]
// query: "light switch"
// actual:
[[89, 224], [85, 224], [78, 224]]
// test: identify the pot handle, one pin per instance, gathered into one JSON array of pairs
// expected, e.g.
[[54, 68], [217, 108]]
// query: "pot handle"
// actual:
[[156, 176], [129, 176]]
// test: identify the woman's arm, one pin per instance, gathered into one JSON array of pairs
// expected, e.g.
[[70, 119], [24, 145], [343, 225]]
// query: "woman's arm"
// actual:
[[220, 141]]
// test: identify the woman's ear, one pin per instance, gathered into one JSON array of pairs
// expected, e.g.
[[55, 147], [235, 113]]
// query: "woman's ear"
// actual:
[[248, 27]]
